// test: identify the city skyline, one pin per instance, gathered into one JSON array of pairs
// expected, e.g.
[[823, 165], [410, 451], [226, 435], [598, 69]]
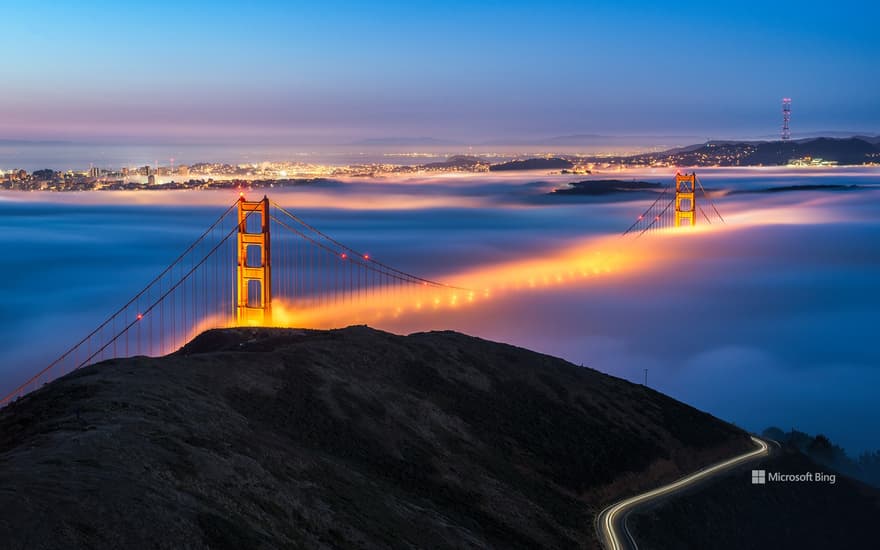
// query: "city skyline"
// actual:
[[340, 73]]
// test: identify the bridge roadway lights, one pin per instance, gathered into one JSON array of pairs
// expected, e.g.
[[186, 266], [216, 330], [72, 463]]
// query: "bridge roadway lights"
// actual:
[[258, 311]]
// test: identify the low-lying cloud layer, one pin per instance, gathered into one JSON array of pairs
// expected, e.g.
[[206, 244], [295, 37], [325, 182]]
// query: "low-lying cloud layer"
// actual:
[[767, 320]]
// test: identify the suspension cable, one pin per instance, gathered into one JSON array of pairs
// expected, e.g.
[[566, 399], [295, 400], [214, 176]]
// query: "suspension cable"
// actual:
[[363, 256], [368, 264], [711, 202], [113, 317], [653, 204]]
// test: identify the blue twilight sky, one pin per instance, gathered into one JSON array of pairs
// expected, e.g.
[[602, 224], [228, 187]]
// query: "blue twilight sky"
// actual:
[[333, 72]]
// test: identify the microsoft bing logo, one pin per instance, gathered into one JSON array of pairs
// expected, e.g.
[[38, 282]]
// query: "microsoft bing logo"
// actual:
[[759, 477]]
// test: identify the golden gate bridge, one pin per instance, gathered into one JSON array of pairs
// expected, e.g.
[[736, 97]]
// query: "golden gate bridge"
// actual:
[[676, 206], [258, 264]]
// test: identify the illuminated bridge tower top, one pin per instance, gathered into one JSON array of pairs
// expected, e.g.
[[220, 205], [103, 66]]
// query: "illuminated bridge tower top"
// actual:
[[254, 298], [685, 199]]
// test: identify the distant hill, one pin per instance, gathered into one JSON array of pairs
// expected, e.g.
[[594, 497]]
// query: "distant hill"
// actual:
[[553, 163], [838, 134], [849, 151], [593, 141], [353, 438], [461, 162], [605, 187], [401, 141], [604, 140]]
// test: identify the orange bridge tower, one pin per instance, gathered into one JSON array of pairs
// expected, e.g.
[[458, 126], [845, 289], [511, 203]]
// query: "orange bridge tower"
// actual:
[[685, 199], [254, 305]]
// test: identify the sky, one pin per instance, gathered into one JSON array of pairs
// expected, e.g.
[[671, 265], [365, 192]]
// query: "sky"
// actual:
[[469, 72]]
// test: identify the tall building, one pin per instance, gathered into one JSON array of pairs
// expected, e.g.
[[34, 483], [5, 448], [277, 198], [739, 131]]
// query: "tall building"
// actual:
[[151, 179]]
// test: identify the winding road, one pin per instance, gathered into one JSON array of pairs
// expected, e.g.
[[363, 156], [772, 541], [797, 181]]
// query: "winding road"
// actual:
[[611, 522]]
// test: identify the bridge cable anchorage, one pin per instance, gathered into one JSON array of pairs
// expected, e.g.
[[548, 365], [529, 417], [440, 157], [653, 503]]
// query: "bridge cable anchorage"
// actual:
[[364, 257]]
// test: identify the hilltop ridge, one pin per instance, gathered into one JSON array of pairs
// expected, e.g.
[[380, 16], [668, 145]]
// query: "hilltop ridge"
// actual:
[[333, 439], [842, 151]]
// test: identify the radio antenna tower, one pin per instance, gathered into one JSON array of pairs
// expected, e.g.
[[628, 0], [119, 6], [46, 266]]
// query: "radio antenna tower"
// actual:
[[786, 117]]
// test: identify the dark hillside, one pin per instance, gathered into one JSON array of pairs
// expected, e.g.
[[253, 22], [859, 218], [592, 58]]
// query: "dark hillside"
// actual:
[[274, 438], [553, 163], [606, 187]]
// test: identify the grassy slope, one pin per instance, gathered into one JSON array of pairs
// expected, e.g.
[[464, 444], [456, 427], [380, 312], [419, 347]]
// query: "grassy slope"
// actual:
[[282, 438]]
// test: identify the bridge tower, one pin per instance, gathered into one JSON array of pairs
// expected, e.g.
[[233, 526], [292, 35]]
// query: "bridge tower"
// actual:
[[685, 199], [254, 306]]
